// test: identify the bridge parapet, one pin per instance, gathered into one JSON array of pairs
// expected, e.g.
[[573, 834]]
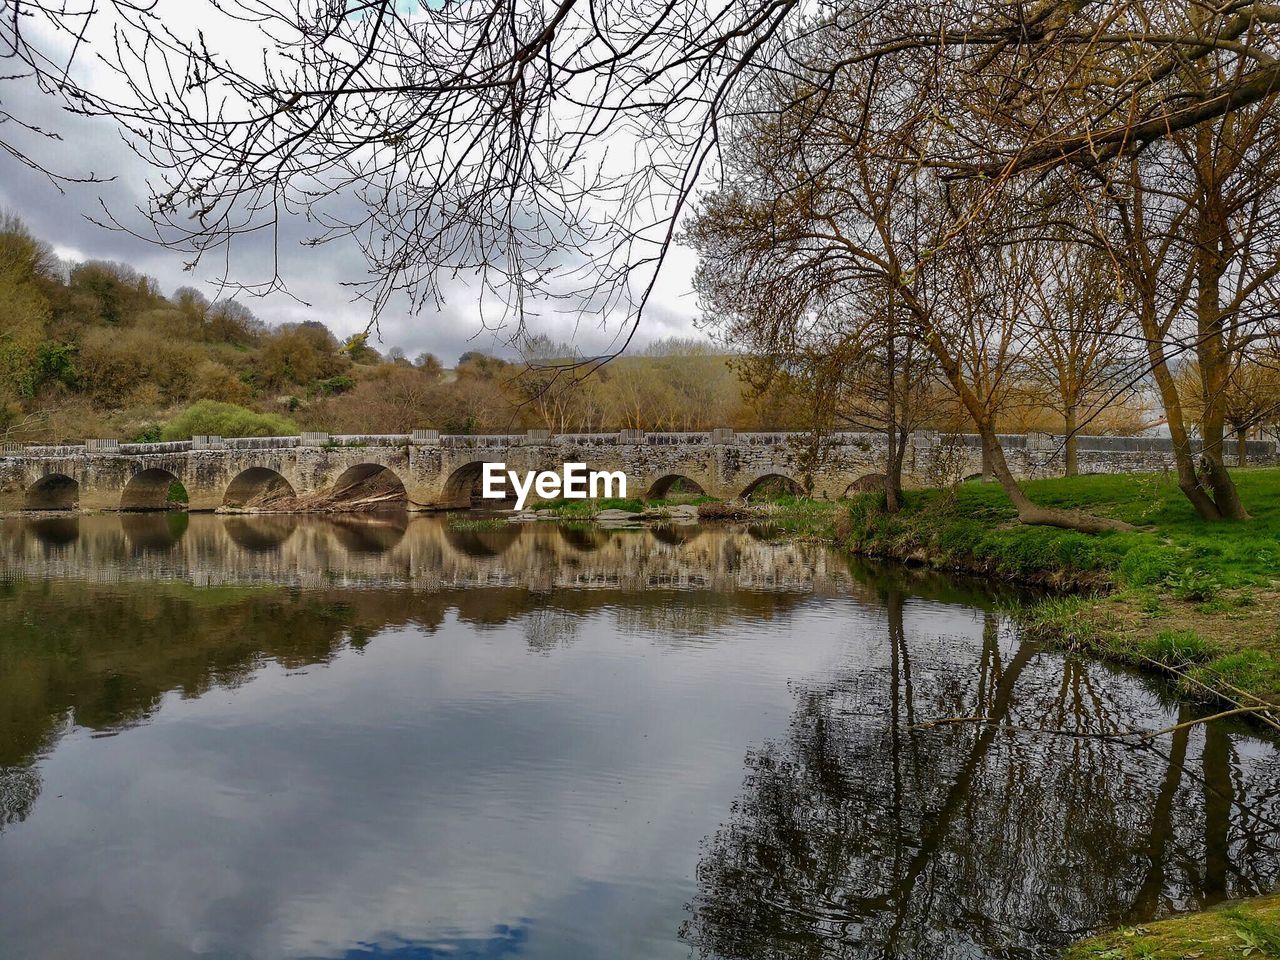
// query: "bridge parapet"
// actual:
[[171, 446], [261, 443], [480, 441]]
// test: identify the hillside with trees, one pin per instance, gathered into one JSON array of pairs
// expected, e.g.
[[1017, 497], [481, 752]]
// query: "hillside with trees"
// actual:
[[96, 349]]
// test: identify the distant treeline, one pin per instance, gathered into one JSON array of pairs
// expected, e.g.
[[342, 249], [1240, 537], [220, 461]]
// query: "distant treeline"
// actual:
[[94, 349]]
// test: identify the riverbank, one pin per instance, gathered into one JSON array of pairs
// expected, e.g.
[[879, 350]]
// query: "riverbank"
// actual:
[[1196, 600]]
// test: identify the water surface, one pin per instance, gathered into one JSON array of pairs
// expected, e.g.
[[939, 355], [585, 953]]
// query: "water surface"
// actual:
[[286, 737]]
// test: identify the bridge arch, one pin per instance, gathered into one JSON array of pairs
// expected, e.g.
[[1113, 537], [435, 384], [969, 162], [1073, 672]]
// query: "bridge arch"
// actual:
[[367, 485], [259, 487], [674, 483], [584, 538], [463, 487], [153, 489], [369, 537], [773, 483], [867, 483], [53, 491], [675, 534]]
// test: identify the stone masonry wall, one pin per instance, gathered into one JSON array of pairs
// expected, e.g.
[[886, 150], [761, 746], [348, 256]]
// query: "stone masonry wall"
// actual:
[[439, 471]]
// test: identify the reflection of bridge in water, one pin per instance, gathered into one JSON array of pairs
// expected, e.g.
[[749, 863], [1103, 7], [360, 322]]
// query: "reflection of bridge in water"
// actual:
[[419, 552]]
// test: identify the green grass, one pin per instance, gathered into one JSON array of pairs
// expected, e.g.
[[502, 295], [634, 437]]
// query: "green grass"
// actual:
[[975, 526], [1178, 648], [1247, 929], [800, 516], [579, 509], [460, 521]]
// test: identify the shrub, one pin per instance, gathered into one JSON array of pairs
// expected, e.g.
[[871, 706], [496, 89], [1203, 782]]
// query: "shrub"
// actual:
[[335, 385], [211, 418], [1193, 584]]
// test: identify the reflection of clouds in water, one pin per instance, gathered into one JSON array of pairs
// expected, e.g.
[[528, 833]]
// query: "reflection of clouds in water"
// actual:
[[506, 941], [416, 788]]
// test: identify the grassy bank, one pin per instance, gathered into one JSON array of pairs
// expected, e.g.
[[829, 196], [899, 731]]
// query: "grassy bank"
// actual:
[[1248, 929], [1195, 598]]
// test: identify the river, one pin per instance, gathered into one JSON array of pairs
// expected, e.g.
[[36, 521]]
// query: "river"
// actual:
[[409, 738]]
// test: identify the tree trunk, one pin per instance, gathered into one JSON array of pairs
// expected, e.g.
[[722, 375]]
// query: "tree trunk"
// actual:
[[1214, 435], [1210, 264], [1183, 458], [988, 468], [1154, 334], [1030, 512], [893, 469], [1070, 450], [1242, 446], [893, 465]]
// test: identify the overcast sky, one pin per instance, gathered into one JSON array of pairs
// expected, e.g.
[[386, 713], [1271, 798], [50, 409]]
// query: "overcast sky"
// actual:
[[314, 274]]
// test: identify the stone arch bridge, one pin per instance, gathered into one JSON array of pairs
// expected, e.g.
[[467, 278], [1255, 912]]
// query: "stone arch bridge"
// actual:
[[442, 472]]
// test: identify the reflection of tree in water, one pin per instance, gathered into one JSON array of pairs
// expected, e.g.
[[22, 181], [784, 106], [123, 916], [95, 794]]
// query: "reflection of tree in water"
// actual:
[[861, 835], [19, 789], [549, 627]]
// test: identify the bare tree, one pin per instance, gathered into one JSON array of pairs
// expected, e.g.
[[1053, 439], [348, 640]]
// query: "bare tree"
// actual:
[[1076, 350]]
